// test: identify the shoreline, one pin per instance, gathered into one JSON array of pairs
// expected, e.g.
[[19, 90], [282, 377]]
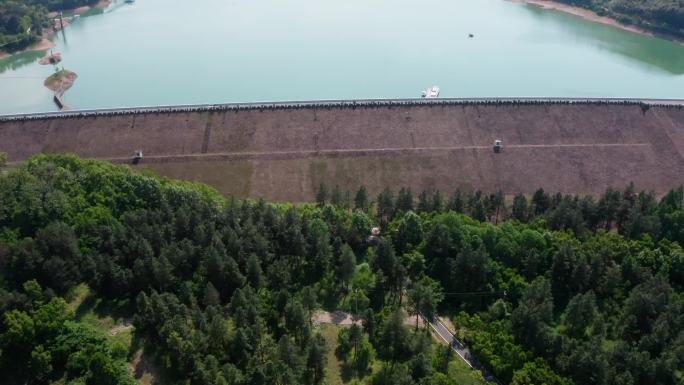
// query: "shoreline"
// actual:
[[45, 43], [592, 16], [83, 9]]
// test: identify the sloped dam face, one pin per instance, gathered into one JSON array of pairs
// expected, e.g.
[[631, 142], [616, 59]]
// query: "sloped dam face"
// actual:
[[283, 152]]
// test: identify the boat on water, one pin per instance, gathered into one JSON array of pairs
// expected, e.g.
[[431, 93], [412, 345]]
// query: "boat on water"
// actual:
[[129, 1], [431, 92]]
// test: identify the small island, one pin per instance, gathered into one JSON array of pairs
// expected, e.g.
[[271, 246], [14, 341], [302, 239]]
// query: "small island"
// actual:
[[60, 82]]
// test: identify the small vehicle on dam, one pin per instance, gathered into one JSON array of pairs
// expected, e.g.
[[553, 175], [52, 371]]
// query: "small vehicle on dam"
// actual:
[[137, 157], [431, 92]]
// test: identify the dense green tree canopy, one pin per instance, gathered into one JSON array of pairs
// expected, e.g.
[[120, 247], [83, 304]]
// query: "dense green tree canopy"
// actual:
[[562, 290], [659, 15], [22, 22]]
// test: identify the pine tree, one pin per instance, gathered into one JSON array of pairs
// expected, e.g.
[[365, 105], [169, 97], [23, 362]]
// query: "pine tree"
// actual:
[[385, 206], [404, 200], [317, 360], [424, 297], [361, 199], [337, 198], [322, 194], [520, 208], [540, 202], [424, 205], [309, 300], [347, 266], [255, 275], [479, 211], [211, 296], [457, 203], [437, 202]]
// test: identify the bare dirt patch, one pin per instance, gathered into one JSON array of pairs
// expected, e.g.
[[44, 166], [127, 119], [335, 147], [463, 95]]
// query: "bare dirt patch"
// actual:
[[411, 321], [336, 318], [116, 329], [103, 3], [81, 10]]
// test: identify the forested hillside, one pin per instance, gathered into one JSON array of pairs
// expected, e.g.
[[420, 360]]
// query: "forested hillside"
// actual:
[[22, 22], [553, 290], [657, 15]]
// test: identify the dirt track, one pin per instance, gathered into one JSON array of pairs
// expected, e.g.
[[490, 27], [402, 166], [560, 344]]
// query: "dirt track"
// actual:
[[284, 154]]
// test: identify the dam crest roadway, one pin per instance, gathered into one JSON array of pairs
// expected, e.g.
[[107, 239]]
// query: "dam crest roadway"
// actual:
[[328, 103]]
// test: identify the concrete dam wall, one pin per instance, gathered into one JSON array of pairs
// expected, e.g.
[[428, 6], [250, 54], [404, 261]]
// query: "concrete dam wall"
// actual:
[[284, 151]]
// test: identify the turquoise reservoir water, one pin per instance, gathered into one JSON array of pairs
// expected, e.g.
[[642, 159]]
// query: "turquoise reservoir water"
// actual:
[[156, 52]]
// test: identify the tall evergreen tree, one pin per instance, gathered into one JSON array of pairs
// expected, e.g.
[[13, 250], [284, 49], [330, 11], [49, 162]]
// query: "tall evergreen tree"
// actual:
[[316, 360], [346, 267], [322, 194], [519, 210], [437, 202], [255, 275], [540, 202], [211, 296], [457, 202], [337, 197], [404, 200], [361, 199], [385, 206]]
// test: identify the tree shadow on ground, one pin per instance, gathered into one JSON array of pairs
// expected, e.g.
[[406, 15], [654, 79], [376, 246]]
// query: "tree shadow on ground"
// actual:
[[338, 316], [120, 310], [146, 368], [348, 372]]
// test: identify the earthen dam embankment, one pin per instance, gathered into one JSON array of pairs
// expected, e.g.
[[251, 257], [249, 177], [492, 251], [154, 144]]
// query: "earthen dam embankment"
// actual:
[[283, 151]]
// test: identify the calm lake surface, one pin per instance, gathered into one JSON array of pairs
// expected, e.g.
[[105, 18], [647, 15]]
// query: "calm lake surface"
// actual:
[[157, 52]]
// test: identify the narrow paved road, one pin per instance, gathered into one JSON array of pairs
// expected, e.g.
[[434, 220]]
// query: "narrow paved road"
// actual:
[[461, 350], [344, 318]]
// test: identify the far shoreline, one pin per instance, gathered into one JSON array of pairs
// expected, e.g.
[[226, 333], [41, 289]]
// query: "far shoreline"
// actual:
[[592, 16], [45, 43]]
